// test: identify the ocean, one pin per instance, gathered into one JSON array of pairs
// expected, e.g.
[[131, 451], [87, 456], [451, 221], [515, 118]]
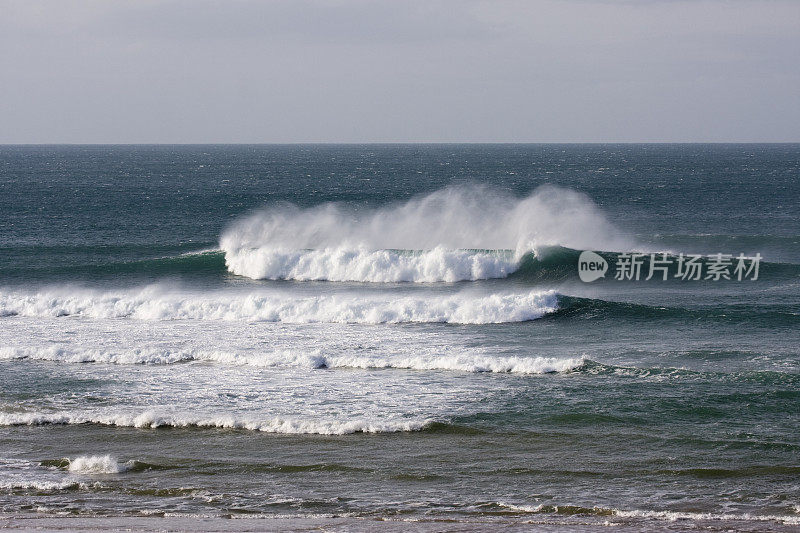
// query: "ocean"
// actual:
[[355, 336]]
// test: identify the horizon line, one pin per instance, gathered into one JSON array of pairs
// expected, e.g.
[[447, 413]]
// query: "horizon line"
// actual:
[[391, 143]]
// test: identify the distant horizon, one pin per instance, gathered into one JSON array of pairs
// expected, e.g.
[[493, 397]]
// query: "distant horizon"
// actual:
[[405, 143]]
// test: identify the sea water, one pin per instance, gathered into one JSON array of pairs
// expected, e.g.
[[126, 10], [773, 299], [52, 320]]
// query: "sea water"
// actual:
[[399, 332]]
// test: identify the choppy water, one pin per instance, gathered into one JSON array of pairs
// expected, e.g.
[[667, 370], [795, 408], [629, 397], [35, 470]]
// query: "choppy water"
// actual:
[[398, 332]]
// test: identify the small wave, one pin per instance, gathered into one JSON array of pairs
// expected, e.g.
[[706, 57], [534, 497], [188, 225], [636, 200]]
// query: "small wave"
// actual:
[[153, 420], [673, 516], [106, 463], [134, 356], [41, 486], [96, 464], [26, 476], [661, 515], [564, 510], [461, 363], [156, 303]]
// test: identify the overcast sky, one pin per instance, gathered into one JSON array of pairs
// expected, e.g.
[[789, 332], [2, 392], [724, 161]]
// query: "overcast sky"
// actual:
[[165, 71]]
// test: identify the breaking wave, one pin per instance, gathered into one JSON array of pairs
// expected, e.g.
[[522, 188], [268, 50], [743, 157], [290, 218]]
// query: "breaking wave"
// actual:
[[96, 464], [545, 263], [363, 264], [159, 303], [41, 485], [455, 234], [659, 515], [674, 516], [462, 362], [152, 420]]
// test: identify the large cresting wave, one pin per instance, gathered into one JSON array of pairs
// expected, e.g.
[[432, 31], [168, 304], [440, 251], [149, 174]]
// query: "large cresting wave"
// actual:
[[455, 234]]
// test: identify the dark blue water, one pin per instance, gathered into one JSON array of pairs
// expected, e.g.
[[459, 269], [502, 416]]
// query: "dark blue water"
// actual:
[[399, 331]]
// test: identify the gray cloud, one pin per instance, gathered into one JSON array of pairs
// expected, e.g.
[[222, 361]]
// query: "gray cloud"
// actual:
[[351, 71]]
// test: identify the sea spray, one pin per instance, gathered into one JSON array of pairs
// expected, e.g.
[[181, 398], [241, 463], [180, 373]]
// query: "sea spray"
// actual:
[[454, 234]]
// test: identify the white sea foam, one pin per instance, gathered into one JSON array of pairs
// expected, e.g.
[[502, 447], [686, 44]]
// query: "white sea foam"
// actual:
[[670, 516], [131, 356], [464, 363], [362, 264], [455, 234], [96, 464], [312, 360], [673, 516], [40, 485], [152, 419], [159, 303], [523, 508]]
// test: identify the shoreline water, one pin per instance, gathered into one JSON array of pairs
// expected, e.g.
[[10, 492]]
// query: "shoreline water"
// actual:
[[334, 523]]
